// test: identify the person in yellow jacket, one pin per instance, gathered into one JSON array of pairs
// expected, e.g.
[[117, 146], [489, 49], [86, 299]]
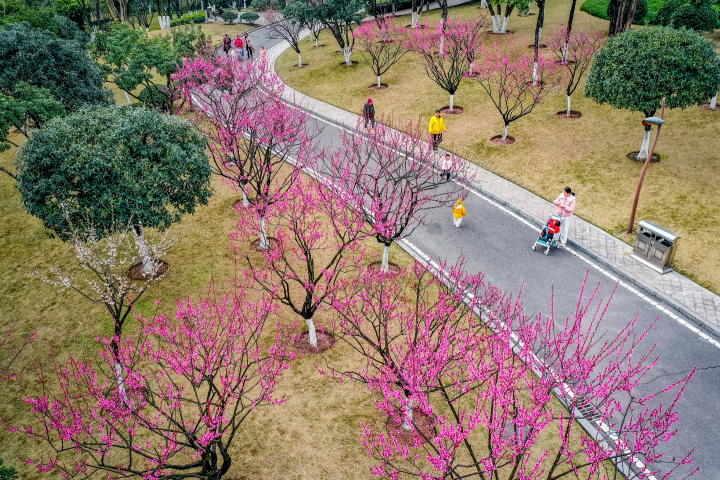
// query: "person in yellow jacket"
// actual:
[[459, 212], [437, 127]]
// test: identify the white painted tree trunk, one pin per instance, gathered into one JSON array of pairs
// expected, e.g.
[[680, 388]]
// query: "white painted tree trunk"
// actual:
[[645, 145], [409, 410], [535, 73], [504, 24], [442, 37], [312, 334], [379, 84], [127, 97], [147, 29], [568, 110], [346, 53], [121, 382], [713, 102], [299, 60], [415, 17], [565, 52], [505, 133], [386, 257], [264, 244], [317, 42], [539, 36], [452, 101], [246, 202], [497, 22], [144, 251], [483, 4]]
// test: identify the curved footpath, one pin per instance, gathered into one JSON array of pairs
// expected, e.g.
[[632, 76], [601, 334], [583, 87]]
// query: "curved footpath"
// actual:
[[503, 222]]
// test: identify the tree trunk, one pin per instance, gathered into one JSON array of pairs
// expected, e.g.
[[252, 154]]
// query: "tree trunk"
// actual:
[[452, 101], [505, 132], [264, 244], [713, 102], [568, 110], [246, 202], [442, 37], [346, 53], [299, 60], [496, 19], [484, 4], [312, 334], [645, 145], [569, 29], [504, 24], [144, 251], [317, 43], [127, 97], [409, 411], [121, 381], [385, 261], [379, 81], [535, 73]]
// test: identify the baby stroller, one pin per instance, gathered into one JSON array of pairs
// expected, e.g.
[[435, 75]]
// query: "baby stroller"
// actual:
[[550, 234]]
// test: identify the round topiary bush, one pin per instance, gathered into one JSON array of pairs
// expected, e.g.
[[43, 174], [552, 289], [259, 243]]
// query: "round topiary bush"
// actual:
[[249, 17], [664, 15], [702, 17], [229, 16]]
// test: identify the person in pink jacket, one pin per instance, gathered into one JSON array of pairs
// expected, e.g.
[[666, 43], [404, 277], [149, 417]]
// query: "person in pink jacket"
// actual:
[[566, 206]]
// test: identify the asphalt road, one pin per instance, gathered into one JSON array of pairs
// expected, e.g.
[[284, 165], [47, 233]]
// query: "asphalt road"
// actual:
[[498, 245]]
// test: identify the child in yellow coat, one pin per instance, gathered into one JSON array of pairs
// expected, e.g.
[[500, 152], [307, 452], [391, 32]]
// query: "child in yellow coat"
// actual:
[[459, 212]]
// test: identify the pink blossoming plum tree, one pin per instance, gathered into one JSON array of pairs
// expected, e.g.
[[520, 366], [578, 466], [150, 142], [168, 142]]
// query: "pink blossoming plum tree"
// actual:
[[380, 44], [318, 232], [447, 50], [189, 384], [575, 51], [519, 380], [514, 83], [392, 174]]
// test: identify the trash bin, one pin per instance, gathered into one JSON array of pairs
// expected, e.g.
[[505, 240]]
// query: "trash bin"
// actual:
[[655, 246]]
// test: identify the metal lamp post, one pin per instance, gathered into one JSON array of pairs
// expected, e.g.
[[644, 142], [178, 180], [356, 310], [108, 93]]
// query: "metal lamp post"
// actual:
[[654, 121]]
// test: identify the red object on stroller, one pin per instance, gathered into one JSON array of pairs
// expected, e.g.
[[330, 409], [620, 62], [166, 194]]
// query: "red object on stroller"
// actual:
[[549, 234]]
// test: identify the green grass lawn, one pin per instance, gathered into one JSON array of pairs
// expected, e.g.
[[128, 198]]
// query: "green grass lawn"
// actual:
[[680, 192]]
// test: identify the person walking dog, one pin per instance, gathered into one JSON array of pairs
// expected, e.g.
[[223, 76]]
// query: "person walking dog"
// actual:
[[369, 115], [437, 127], [459, 212], [566, 206]]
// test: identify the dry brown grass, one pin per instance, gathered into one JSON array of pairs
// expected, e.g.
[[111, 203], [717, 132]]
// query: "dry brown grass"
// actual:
[[679, 193]]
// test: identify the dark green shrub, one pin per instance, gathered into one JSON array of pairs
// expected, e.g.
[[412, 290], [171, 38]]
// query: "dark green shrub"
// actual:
[[7, 473], [701, 17], [229, 16], [249, 17], [666, 12], [155, 96]]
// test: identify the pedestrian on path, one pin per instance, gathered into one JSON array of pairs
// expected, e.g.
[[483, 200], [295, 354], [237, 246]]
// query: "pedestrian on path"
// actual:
[[459, 212], [566, 206], [239, 48], [249, 46], [369, 115], [227, 44], [263, 53], [446, 167], [437, 127]]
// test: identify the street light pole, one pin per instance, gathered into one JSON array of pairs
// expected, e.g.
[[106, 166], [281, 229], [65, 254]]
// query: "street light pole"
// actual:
[[659, 122]]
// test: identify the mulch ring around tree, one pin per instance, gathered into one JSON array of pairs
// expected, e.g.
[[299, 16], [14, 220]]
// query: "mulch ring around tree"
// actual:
[[319, 46], [419, 25], [392, 268], [300, 66], [255, 245], [507, 32], [526, 15], [573, 114], [541, 46], [421, 421], [634, 157], [497, 140], [457, 110], [135, 272], [343, 64], [325, 341], [704, 107], [375, 87]]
